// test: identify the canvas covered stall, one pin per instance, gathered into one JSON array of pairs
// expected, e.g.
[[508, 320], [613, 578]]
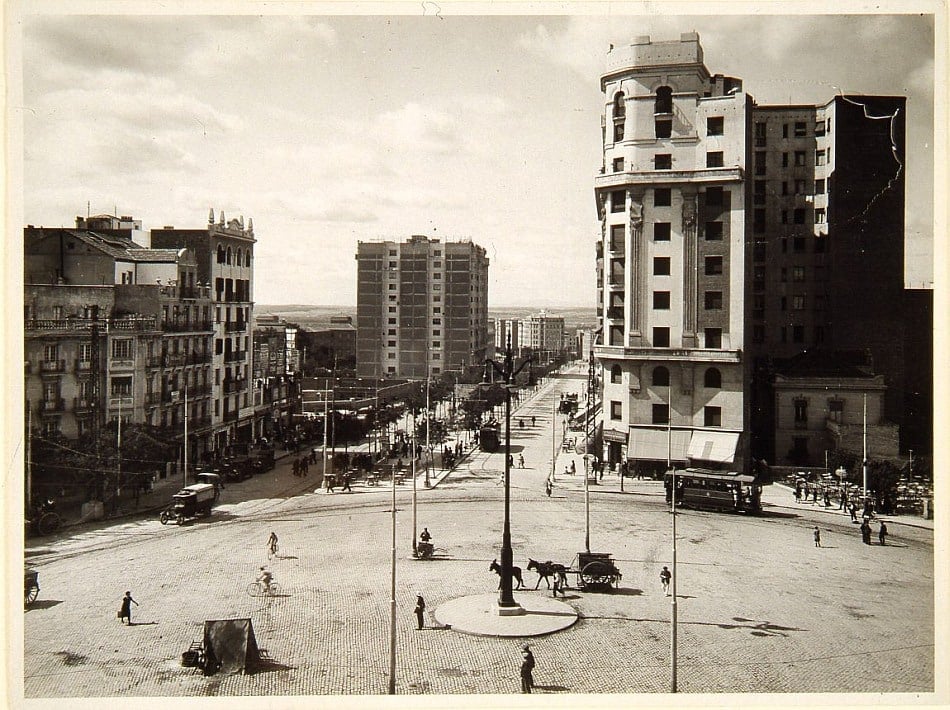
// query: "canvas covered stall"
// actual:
[[230, 646]]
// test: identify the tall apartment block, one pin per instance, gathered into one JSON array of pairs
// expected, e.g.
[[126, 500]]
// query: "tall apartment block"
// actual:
[[421, 307], [224, 252], [734, 238]]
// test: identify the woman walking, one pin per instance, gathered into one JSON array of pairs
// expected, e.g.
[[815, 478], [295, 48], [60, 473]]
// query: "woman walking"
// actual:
[[125, 612]]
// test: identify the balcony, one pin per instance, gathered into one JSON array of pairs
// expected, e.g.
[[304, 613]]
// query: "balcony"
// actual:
[[55, 366], [174, 359], [234, 386], [187, 326], [235, 326], [153, 399], [155, 361], [236, 356], [50, 406], [619, 352], [82, 404], [82, 365], [656, 177], [231, 415], [85, 324]]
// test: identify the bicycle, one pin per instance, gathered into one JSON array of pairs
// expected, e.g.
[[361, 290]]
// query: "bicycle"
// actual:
[[258, 589]]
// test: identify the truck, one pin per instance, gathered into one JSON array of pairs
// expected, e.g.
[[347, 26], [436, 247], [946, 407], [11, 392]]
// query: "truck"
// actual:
[[190, 502]]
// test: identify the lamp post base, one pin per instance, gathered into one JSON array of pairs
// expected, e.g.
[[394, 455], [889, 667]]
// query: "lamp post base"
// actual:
[[510, 610]]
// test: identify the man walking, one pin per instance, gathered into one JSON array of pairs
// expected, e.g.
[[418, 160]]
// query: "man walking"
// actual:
[[665, 577], [866, 532], [882, 533], [125, 612], [419, 611], [817, 537], [527, 668], [547, 487]]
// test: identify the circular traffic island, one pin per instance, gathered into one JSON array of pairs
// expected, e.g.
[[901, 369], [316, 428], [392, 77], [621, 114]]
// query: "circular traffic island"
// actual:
[[480, 615]]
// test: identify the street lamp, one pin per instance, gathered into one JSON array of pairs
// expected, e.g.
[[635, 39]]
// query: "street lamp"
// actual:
[[507, 606]]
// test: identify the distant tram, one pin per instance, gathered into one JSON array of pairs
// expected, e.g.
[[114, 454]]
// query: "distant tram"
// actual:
[[705, 489], [488, 437]]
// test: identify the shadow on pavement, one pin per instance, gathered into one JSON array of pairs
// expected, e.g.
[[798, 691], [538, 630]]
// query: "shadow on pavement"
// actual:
[[44, 604], [627, 592], [552, 688], [776, 514]]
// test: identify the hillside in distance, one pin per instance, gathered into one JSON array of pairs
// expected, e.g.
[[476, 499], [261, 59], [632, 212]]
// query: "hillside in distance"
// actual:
[[316, 317]]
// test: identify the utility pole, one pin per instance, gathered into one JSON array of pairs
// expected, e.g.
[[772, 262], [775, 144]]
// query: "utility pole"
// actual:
[[392, 598], [672, 469], [186, 436]]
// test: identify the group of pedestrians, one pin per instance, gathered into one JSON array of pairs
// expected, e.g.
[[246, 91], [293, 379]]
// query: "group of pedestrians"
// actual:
[[866, 533]]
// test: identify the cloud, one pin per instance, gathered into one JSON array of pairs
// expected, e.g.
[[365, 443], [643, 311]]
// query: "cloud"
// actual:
[[417, 127]]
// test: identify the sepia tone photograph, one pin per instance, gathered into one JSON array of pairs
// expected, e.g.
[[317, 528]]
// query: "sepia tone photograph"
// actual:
[[474, 350]]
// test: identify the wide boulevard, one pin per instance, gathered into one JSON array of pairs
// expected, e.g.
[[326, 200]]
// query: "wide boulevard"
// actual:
[[760, 608]]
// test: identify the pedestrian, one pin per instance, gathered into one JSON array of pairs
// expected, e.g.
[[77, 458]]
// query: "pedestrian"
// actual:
[[556, 587], [547, 487], [854, 512], [827, 497], [296, 467], [814, 495], [798, 494], [817, 537], [866, 532], [511, 461], [573, 468], [532, 421], [420, 611], [665, 577], [329, 482], [125, 612], [520, 460], [843, 501], [882, 533], [346, 483], [527, 668]]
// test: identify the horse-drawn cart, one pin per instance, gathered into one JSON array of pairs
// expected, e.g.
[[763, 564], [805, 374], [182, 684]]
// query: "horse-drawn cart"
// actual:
[[595, 571]]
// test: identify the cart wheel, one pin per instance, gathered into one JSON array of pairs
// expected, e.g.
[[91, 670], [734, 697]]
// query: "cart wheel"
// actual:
[[165, 517], [31, 594], [49, 522], [254, 589], [179, 519], [596, 574]]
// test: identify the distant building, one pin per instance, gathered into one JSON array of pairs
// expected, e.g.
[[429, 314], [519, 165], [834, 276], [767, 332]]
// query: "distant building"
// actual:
[[276, 374], [543, 333], [508, 331], [336, 342], [422, 307]]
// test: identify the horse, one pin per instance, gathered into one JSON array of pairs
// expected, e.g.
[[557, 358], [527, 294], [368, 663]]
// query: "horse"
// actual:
[[547, 569], [515, 573]]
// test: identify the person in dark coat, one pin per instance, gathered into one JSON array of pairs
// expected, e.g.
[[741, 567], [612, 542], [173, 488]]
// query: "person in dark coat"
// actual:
[[126, 611], [420, 611], [866, 532], [882, 533], [817, 537], [527, 668]]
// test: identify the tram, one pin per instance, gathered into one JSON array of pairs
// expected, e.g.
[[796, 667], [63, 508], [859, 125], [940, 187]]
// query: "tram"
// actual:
[[706, 489]]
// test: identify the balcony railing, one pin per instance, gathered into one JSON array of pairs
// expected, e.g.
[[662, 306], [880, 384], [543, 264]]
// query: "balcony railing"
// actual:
[[235, 326], [105, 324], [232, 386], [237, 356], [649, 177], [52, 405], [82, 365], [82, 404], [155, 361], [231, 415], [186, 326], [153, 399], [52, 366]]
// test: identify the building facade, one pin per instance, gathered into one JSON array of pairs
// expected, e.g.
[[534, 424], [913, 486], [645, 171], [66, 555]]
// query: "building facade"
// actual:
[[671, 199], [508, 330], [422, 307]]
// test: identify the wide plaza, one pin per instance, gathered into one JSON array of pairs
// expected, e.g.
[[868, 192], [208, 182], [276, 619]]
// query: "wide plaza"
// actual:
[[760, 608]]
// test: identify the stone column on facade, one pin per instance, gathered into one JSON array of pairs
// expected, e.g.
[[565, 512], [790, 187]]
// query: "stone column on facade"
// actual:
[[633, 276], [690, 266]]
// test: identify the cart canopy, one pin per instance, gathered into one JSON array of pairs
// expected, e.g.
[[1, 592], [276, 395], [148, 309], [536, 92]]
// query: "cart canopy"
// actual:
[[230, 645]]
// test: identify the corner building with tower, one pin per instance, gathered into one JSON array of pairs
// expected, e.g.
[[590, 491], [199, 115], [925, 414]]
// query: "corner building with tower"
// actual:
[[730, 244]]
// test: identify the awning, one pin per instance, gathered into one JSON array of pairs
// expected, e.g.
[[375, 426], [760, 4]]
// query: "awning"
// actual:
[[617, 436], [713, 446], [657, 444]]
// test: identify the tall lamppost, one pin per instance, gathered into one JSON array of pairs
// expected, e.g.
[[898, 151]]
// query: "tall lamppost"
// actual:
[[672, 469], [507, 606]]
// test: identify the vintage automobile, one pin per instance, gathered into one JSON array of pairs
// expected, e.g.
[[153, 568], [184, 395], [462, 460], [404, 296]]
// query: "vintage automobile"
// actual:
[[190, 502]]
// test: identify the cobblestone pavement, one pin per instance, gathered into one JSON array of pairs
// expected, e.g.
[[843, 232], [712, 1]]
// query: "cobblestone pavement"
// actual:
[[761, 609]]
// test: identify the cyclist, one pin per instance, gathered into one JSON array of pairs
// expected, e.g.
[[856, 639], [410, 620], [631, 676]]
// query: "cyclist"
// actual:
[[265, 578], [272, 543]]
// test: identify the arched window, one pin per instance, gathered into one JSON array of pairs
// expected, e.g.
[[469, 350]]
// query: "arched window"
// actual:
[[664, 100], [220, 254], [247, 258], [620, 113], [616, 375], [240, 257], [229, 256], [712, 379], [661, 377]]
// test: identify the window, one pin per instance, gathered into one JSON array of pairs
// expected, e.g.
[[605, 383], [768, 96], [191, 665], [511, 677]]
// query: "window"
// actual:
[[661, 300], [391, 331], [836, 410], [616, 410], [714, 126], [784, 160], [798, 273], [50, 353], [436, 343], [661, 337], [712, 379], [713, 265], [616, 375], [713, 231], [663, 127], [820, 215], [616, 237], [661, 266], [618, 165], [801, 129], [759, 192], [662, 197], [661, 413], [391, 321], [713, 337], [714, 196], [784, 130], [758, 334], [760, 162], [801, 412], [819, 157], [661, 232], [618, 130], [799, 158], [712, 416], [820, 243], [798, 303], [712, 300], [391, 343], [660, 377], [799, 215], [784, 303], [121, 386], [390, 356], [618, 200], [758, 220], [714, 159], [760, 133], [784, 187], [392, 309], [799, 187], [392, 287], [619, 115], [663, 161], [783, 275], [820, 187], [798, 334], [664, 100], [122, 349]]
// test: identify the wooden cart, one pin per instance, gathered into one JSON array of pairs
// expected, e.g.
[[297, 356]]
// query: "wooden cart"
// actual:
[[595, 571]]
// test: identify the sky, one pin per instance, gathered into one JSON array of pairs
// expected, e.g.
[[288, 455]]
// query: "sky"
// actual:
[[328, 130]]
